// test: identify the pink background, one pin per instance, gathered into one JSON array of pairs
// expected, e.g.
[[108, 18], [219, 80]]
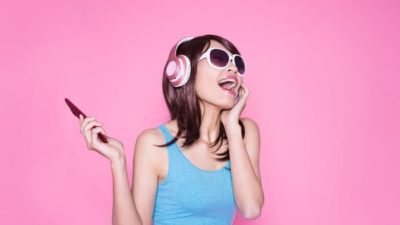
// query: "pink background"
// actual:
[[324, 81]]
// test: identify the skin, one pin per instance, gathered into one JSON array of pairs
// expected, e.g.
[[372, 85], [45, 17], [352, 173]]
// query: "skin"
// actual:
[[135, 205]]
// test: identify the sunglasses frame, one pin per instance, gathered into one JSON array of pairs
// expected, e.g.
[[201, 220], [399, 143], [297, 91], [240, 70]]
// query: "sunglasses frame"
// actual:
[[206, 55]]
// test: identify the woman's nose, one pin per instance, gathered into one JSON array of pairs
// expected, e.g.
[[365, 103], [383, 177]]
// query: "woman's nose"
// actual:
[[232, 67]]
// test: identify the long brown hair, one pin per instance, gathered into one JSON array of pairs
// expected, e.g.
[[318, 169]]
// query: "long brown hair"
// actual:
[[183, 102]]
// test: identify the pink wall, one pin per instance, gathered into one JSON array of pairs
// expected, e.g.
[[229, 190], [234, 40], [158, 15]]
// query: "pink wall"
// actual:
[[324, 80]]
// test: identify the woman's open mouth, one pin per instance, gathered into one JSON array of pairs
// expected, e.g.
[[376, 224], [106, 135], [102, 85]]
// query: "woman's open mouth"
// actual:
[[229, 84]]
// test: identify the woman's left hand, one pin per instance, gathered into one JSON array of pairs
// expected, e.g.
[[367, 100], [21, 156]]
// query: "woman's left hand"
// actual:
[[231, 116]]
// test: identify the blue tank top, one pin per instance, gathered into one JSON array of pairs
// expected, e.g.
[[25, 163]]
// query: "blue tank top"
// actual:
[[192, 196]]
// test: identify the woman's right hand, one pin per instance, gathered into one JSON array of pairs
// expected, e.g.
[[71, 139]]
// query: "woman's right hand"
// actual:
[[113, 150]]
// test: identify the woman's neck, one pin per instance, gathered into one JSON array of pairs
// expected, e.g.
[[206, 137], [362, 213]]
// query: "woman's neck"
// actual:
[[210, 123]]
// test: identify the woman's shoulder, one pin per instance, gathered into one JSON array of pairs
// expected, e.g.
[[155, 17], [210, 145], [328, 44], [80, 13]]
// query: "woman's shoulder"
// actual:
[[251, 128], [249, 123], [154, 135], [149, 153]]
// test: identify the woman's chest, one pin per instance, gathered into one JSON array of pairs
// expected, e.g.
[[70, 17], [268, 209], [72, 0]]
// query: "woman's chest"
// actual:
[[200, 193]]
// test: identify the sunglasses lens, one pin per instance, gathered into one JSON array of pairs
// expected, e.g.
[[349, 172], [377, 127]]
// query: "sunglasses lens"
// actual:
[[219, 58], [239, 64]]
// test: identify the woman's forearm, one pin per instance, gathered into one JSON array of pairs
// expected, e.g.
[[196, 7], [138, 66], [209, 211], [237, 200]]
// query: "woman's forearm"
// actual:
[[124, 210], [249, 197]]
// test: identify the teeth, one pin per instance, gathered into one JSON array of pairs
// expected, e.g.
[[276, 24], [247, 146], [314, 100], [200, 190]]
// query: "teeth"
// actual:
[[226, 80]]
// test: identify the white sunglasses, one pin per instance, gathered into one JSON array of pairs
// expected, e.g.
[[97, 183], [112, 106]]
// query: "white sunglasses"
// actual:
[[219, 59]]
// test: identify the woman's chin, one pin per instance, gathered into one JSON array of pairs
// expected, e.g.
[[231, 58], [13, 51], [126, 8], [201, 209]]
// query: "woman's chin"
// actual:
[[228, 104], [223, 102]]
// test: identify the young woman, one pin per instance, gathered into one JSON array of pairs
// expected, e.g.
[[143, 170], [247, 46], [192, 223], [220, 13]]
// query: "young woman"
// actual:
[[203, 164]]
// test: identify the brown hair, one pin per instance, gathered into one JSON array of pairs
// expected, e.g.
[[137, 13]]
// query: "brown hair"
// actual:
[[183, 102]]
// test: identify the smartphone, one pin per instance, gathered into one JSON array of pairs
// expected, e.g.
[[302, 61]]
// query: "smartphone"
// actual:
[[76, 111]]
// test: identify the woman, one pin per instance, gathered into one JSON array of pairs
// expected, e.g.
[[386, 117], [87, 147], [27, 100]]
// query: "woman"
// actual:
[[203, 164]]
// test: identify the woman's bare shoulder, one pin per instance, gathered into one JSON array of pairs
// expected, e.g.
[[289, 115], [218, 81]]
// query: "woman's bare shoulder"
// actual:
[[147, 154], [252, 130], [249, 123], [154, 136], [150, 136]]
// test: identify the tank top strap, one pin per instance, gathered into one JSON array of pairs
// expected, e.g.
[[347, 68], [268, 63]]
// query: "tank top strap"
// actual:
[[173, 151], [167, 135]]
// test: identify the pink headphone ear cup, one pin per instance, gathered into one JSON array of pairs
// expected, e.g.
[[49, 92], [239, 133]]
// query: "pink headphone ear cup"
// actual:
[[178, 67], [172, 68], [184, 70], [177, 70]]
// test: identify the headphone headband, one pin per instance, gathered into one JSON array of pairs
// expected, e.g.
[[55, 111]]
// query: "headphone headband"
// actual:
[[176, 46]]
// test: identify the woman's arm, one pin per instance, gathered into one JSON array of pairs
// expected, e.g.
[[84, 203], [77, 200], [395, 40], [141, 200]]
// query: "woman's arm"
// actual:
[[146, 167], [135, 206], [244, 156], [124, 211]]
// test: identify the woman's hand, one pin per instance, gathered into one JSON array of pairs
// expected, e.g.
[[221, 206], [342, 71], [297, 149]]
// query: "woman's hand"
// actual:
[[113, 150], [231, 117]]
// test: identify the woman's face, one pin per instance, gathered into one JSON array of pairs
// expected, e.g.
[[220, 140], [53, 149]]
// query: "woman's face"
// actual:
[[209, 83]]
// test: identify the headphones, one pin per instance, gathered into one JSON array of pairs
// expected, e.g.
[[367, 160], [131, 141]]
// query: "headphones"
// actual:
[[178, 66]]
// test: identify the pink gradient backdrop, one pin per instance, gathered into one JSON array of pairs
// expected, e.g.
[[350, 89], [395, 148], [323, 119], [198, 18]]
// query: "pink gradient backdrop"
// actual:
[[324, 80]]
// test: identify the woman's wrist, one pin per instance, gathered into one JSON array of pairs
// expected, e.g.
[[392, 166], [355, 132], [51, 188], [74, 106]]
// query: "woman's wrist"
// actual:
[[232, 127], [118, 160]]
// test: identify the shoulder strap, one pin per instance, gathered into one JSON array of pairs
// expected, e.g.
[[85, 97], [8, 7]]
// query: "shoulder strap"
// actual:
[[168, 136]]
